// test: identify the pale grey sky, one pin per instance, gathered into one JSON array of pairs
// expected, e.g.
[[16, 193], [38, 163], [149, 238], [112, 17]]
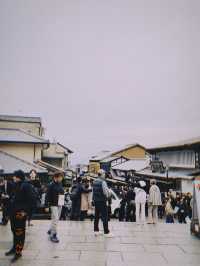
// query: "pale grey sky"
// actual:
[[102, 73]]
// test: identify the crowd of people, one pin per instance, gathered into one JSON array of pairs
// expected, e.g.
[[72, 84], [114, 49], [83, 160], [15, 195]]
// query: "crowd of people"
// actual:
[[171, 206], [21, 197], [176, 206]]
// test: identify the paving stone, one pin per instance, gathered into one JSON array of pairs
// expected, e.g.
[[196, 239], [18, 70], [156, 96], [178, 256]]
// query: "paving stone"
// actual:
[[164, 249], [4, 262], [112, 246], [144, 258], [5, 244], [183, 259], [76, 263], [152, 245], [190, 249], [131, 248], [100, 256], [86, 246], [134, 240], [62, 255]]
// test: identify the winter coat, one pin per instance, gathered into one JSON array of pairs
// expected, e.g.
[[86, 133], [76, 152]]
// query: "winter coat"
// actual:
[[155, 196], [100, 190], [140, 195], [23, 197], [54, 190]]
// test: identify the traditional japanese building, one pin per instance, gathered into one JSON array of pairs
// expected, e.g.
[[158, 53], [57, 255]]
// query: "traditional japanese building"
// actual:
[[106, 159], [23, 138], [32, 125], [174, 164]]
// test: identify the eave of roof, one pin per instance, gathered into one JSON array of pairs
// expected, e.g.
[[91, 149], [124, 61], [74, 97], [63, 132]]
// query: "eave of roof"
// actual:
[[173, 174], [101, 157], [49, 166], [132, 165], [112, 158], [64, 147], [108, 154], [29, 164], [184, 144], [128, 147], [38, 140], [25, 119]]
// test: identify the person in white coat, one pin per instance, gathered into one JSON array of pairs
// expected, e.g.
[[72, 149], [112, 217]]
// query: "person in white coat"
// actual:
[[140, 201], [153, 202]]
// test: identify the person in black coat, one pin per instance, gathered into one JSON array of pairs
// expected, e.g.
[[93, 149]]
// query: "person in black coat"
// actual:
[[21, 200], [55, 200], [35, 182], [75, 195], [6, 190], [182, 212], [130, 207]]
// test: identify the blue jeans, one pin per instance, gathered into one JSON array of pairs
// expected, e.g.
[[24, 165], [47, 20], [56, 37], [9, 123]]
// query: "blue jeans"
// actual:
[[169, 219]]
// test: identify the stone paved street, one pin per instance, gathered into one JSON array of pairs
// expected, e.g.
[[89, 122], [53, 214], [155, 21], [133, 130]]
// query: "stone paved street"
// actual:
[[160, 245]]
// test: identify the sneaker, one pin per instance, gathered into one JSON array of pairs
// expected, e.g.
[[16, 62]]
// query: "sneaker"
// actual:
[[54, 239], [3, 223], [49, 232], [10, 252], [98, 233], [29, 224], [109, 235]]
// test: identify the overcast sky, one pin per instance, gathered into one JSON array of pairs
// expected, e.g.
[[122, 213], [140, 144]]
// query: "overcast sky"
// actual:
[[102, 73]]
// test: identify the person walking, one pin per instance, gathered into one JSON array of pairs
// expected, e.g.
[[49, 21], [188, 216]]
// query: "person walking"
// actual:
[[6, 190], [21, 200], [153, 202], [101, 194], [140, 201], [130, 205], [35, 182], [55, 199], [122, 209]]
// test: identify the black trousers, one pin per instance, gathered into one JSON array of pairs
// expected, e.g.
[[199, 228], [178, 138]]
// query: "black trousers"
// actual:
[[130, 213], [83, 215], [101, 210], [18, 227], [122, 212], [64, 213], [30, 214], [181, 218], [76, 210], [5, 213]]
